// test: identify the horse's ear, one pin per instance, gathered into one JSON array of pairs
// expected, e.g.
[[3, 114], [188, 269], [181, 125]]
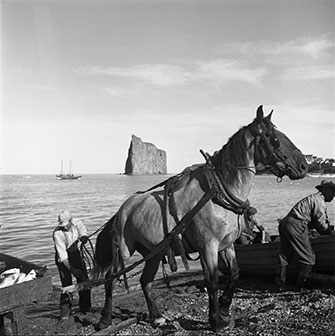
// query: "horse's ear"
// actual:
[[268, 117], [260, 113]]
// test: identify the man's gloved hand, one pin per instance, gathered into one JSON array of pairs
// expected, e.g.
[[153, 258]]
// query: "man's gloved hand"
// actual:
[[331, 230], [83, 239], [78, 273]]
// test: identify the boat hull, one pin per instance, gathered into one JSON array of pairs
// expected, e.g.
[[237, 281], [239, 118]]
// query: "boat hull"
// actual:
[[18, 295], [262, 259], [68, 177]]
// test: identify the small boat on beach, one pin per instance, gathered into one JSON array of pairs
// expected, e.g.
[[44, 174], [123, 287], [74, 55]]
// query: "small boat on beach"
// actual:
[[69, 176], [16, 296], [262, 259]]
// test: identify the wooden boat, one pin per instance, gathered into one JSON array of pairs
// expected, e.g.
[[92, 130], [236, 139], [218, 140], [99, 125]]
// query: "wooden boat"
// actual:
[[262, 259], [14, 298], [69, 176]]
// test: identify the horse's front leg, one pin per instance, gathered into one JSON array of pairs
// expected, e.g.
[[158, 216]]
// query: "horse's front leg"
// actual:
[[209, 261], [228, 265], [106, 315], [149, 271]]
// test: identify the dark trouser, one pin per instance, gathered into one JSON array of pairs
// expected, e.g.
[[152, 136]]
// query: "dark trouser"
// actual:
[[65, 275], [295, 247]]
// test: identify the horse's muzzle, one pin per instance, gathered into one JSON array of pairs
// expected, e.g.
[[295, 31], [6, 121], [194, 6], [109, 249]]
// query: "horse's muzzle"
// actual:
[[296, 173]]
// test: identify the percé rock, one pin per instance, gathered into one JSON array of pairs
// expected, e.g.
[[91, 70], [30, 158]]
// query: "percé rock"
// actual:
[[144, 158]]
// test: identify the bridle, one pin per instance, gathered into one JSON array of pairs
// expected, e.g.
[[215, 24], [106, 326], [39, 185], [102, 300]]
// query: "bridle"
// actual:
[[267, 148]]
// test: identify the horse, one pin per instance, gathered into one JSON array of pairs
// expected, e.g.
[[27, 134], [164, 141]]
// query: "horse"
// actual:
[[138, 224]]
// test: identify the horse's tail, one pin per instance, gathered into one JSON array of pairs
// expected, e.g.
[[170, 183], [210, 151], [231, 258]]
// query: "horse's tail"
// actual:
[[107, 254]]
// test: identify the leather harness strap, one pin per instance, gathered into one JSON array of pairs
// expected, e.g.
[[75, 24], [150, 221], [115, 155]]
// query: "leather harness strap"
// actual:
[[165, 210]]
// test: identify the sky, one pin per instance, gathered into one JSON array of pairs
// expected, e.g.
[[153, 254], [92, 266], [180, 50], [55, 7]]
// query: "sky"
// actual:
[[78, 78]]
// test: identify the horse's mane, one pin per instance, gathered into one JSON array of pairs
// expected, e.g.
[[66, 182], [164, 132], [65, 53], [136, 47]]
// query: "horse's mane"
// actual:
[[229, 158]]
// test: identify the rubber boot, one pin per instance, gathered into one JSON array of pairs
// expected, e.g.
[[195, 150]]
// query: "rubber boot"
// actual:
[[65, 311], [65, 306], [85, 301], [303, 275], [282, 275]]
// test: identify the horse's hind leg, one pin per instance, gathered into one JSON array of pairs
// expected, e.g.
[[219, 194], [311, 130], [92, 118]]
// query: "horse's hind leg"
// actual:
[[228, 265], [106, 318], [149, 271]]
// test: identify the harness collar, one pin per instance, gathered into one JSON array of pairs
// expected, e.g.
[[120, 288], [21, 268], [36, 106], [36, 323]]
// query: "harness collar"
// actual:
[[222, 195]]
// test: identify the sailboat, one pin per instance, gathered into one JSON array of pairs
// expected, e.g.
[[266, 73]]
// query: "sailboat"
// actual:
[[68, 176]]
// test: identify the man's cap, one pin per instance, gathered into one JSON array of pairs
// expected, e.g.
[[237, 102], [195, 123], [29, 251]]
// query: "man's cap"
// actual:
[[326, 185], [64, 217]]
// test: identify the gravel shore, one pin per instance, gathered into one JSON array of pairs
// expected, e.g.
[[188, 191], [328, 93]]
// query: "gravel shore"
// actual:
[[259, 308]]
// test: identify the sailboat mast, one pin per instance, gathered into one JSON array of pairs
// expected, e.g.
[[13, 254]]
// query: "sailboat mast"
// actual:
[[61, 167], [70, 167]]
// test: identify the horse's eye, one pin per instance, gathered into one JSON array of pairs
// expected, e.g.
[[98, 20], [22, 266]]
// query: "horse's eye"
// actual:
[[275, 142]]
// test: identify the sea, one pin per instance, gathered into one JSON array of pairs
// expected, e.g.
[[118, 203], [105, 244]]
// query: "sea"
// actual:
[[29, 205]]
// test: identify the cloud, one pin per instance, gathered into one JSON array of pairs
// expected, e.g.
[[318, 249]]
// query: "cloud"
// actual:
[[299, 59], [317, 48], [116, 92], [310, 47], [156, 74], [314, 48], [233, 67], [310, 73], [39, 87], [222, 70], [216, 71]]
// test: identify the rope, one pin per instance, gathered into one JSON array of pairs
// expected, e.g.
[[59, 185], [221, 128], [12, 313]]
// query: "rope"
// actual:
[[87, 255], [99, 229]]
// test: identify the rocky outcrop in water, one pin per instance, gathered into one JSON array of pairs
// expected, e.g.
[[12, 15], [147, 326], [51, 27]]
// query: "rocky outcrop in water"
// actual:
[[144, 158]]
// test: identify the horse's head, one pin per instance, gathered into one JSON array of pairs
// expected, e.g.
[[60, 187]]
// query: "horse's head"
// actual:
[[274, 150]]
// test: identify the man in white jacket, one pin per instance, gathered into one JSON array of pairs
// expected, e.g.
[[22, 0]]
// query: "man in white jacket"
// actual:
[[66, 236]]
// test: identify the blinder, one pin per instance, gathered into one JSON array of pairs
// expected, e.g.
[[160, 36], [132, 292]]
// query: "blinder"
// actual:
[[267, 148]]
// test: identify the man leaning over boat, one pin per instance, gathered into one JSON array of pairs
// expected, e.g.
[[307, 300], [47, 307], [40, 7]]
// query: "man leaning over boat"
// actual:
[[295, 246]]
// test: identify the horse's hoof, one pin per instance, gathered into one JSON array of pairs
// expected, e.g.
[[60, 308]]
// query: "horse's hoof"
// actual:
[[159, 322], [102, 324], [220, 323]]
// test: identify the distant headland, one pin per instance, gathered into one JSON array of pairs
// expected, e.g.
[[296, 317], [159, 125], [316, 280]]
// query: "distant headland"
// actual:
[[319, 165]]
